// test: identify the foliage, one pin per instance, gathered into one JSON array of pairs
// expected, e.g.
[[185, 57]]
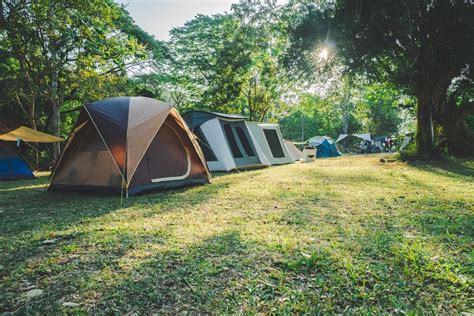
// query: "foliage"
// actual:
[[226, 62], [419, 46], [57, 55], [354, 107], [382, 103], [410, 153]]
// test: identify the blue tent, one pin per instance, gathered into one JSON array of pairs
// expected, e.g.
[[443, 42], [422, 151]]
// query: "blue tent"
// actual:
[[326, 146], [12, 166]]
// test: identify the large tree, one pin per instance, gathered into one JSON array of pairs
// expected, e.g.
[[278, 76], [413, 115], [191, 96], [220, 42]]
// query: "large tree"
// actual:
[[55, 51], [226, 62], [421, 46]]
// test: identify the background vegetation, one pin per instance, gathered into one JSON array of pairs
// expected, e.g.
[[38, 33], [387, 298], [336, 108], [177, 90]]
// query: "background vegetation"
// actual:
[[308, 65]]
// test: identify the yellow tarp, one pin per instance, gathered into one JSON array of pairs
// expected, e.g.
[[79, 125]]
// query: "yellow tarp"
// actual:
[[29, 135]]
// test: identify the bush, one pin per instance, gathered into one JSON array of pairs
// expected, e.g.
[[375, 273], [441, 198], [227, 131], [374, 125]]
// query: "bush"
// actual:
[[410, 153]]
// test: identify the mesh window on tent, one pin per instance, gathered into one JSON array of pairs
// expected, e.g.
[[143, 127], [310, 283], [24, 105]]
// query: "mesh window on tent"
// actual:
[[232, 142], [245, 142], [274, 143]]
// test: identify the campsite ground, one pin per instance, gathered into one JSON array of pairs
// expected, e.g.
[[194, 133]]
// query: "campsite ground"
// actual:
[[352, 234]]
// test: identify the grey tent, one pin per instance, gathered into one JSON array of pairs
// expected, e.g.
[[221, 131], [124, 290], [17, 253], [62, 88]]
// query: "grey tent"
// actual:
[[294, 151], [270, 140], [226, 141]]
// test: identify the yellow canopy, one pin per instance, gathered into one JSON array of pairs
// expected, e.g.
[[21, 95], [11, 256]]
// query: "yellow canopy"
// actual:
[[29, 135]]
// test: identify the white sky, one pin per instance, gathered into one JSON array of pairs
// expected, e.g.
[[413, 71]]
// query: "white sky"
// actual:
[[158, 17]]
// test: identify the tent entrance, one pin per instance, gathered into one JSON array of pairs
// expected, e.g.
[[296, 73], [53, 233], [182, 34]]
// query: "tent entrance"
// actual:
[[166, 159], [164, 135], [238, 140]]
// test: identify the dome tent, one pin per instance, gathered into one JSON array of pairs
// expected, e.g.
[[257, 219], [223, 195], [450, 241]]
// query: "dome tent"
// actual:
[[129, 145], [12, 165], [326, 146], [358, 143]]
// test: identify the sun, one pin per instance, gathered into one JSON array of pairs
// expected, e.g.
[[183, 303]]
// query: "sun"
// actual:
[[324, 54]]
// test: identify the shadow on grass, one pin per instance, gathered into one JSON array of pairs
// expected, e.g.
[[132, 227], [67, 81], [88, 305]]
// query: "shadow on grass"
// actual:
[[369, 270], [29, 209], [28, 217], [446, 167], [228, 274]]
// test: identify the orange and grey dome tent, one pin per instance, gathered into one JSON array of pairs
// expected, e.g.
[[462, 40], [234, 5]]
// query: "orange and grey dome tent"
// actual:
[[129, 145], [12, 165]]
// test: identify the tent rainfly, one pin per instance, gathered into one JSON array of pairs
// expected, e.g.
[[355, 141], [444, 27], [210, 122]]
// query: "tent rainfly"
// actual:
[[326, 146], [294, 151], [226, 141], [12, 165], [358, 143], [365, 137], [268, 137], [12, 132], [129, 145]]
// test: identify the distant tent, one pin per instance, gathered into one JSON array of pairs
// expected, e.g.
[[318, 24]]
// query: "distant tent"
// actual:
[[326, 146], [407, 140], [341, 137], [12, 165], [268, 137], [226, 141], [294, 151], [358, 143], [366, 137], [129, 145]]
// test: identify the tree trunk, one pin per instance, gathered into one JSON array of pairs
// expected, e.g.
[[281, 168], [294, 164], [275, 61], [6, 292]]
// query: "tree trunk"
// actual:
[[424, 133], [458, 137], [55, 105], [32, 121], [56, 117]]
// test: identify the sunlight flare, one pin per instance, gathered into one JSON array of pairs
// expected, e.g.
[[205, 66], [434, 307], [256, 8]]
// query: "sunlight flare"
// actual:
[[324, 54]]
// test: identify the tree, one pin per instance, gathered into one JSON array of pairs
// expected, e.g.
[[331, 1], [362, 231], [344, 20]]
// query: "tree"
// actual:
[[54, 52], [420, 46], [227, 63], [382, 102], [209, 61]]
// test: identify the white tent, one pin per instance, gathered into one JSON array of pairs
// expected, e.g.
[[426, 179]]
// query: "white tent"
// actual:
[[366, 137], [293, 150], [226, 141], [268, 137], [341, 137]]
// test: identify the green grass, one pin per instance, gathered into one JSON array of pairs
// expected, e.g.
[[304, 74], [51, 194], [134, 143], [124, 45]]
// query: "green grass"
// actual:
[[345, 235]]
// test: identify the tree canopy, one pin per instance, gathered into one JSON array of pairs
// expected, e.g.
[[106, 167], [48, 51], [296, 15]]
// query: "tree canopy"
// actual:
[[422, 47], [316, 67]]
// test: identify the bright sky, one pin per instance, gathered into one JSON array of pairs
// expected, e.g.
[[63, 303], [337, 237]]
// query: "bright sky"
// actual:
[[158, 17]]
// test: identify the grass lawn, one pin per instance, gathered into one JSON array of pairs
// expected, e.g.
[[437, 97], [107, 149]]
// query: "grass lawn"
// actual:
[[351, 234]]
